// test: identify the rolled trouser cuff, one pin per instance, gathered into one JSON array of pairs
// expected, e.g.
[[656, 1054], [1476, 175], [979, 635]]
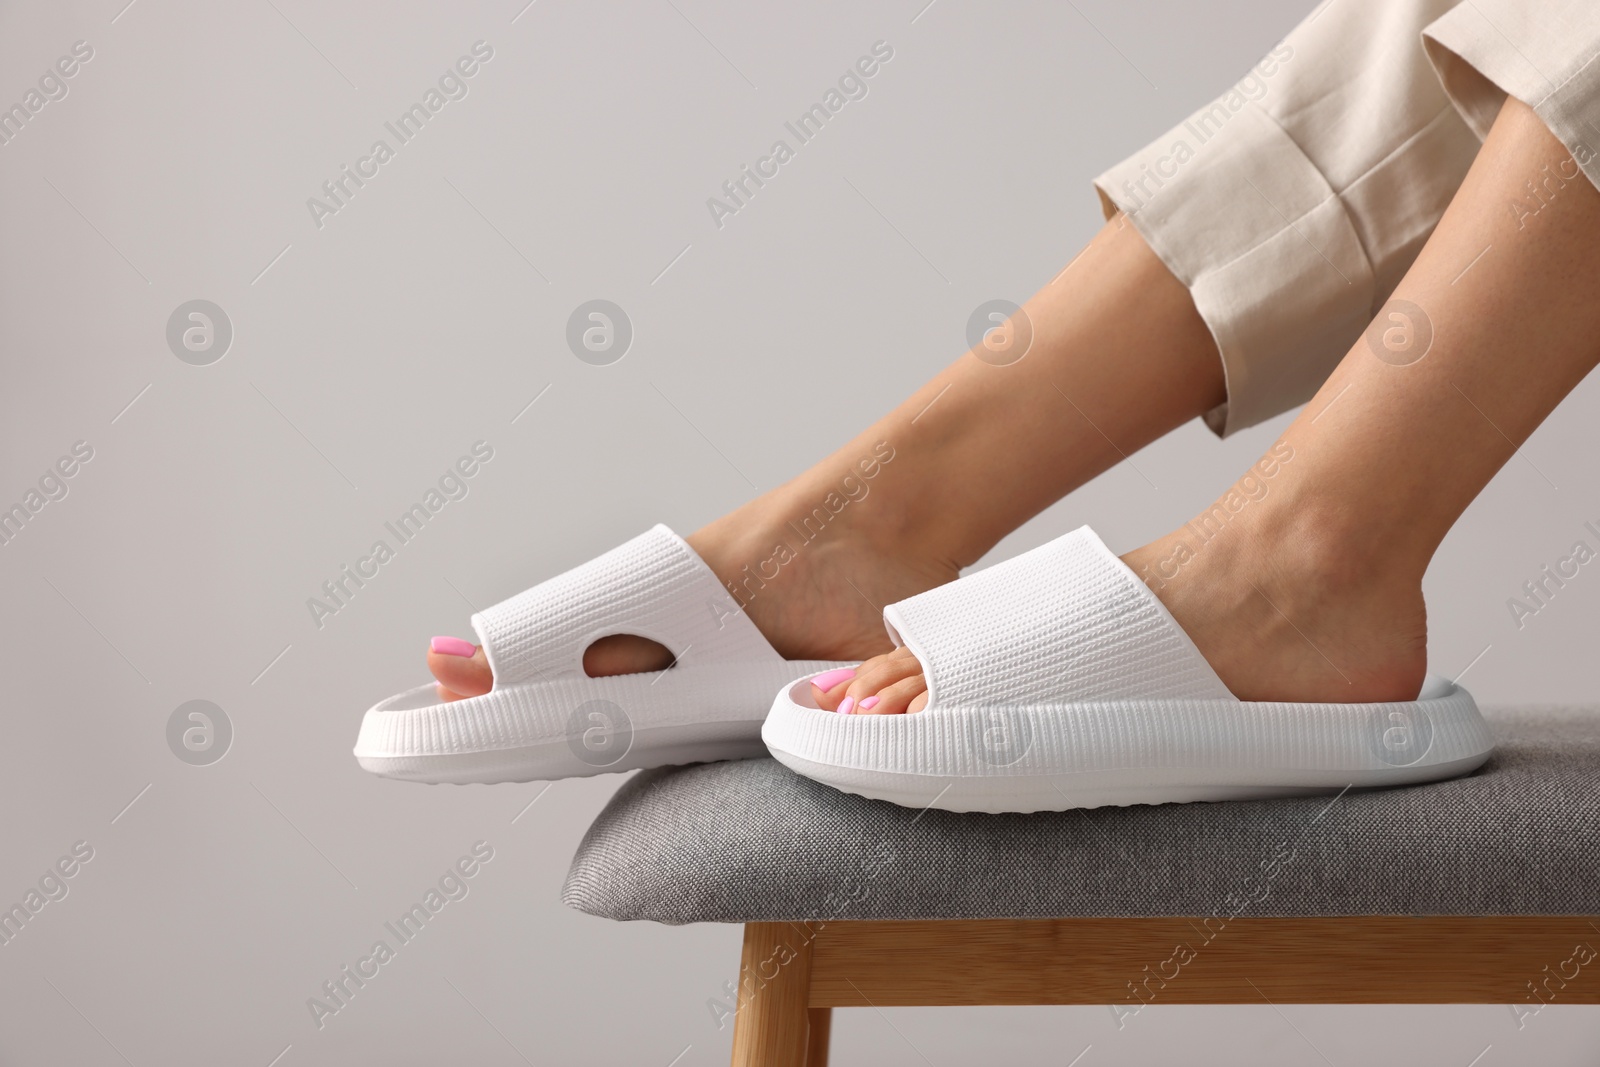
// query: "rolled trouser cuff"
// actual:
[[1265, 246], [1547, 57], [1293, 204]]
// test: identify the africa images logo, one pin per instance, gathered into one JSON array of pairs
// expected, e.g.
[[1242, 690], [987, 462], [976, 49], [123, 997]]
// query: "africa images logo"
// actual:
[[52, 86], [1401, 737], [453, 885], [738, 191], [1401, 333], [453, 485], [338, 191], [199, 332]]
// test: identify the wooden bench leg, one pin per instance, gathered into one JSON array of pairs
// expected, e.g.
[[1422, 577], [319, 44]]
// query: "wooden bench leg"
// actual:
[[821, 1031], [776, 1027]]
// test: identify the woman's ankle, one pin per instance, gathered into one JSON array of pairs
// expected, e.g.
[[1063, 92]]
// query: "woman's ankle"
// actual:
[[1289, 598]]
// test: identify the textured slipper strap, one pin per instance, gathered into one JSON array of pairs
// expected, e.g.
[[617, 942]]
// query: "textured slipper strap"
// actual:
[[654, 586], [1065, 622]]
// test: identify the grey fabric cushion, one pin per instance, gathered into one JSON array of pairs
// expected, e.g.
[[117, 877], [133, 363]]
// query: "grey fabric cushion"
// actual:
[[750, 840]]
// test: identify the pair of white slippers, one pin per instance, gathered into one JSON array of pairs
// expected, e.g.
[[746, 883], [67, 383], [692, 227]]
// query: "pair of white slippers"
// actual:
[[1055, 680]]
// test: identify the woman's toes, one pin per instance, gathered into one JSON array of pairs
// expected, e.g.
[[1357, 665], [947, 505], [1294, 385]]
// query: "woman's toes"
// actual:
[[460, 668], [884, 685], [876, 676], [882, 671], [896, 699], [828, 688]]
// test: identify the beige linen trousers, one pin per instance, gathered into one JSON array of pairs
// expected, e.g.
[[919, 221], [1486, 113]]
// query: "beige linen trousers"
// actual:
[[1292, 204]]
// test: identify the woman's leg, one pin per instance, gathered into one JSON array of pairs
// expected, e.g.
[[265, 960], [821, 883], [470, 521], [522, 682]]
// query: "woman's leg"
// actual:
[[1343, 110], [1119, 356], [1305, 583]]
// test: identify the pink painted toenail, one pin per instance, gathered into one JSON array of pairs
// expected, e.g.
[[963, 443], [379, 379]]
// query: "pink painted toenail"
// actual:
[[453, 646], [848, 706], [869, 703], [828, 679]]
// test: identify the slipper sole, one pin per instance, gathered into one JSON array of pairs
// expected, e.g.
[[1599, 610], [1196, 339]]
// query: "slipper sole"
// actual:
[[1054, 757], [577, 727]]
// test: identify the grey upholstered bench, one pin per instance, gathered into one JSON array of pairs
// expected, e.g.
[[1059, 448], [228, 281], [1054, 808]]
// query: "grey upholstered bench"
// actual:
[[1474, 890]]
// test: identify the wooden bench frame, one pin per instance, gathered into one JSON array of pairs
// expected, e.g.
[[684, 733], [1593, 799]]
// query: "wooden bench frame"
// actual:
[[792, 975]]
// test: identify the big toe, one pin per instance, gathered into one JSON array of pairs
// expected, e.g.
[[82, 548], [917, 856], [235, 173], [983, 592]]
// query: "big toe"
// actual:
[[460, 668], [890, 684]]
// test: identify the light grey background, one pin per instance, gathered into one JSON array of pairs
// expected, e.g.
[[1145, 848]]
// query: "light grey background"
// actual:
[[371, 353]]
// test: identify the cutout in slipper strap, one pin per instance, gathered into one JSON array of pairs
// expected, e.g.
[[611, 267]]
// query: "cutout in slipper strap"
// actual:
[[1067, 621], [654, 586]]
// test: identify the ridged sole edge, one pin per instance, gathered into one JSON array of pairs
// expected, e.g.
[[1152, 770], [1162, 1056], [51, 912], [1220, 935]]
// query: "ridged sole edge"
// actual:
[[577, 727], [1097, 754]]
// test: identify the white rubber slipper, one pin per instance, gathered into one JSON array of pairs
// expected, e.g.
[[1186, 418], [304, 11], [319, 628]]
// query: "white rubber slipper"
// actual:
[[1058, 680], [546, 719]]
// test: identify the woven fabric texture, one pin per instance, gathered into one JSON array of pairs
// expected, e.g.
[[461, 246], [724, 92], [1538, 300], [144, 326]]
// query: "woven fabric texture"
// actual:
[[751, 841], [1067, 621], [654, 586]]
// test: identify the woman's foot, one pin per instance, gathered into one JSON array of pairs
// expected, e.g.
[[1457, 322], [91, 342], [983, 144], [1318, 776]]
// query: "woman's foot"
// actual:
[[824, 603], [948, 483], [1284, 605]]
